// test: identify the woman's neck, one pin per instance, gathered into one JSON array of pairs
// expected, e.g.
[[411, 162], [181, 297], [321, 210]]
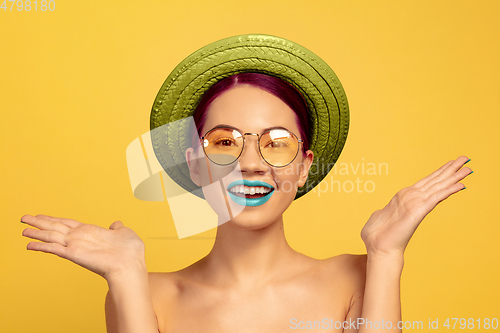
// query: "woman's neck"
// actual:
[[248, 258]]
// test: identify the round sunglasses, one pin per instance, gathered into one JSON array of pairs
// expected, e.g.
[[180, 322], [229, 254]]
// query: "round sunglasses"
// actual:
[[277, 146]]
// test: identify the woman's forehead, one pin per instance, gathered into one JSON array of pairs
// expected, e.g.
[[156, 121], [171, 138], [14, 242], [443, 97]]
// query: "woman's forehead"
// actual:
[[250, 109]]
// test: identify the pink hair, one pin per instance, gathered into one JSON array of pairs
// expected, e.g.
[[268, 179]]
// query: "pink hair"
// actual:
[[273, 85]]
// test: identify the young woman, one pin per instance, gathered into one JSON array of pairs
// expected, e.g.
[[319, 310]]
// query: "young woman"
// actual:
[[252, 280]]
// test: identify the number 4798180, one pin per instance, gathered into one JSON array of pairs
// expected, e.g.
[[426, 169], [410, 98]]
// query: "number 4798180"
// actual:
[[28, 5]]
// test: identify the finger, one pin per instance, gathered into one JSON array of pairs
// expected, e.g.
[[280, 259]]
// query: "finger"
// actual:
[[451, 169], [53, 248], [44, 224], [443, 194], [422, 181], [45, 236], [69, 222], [116, 225], [452, 179]]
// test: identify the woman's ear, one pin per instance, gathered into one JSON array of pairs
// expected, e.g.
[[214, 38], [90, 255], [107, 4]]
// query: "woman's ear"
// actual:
[[304, 167], [194, 169]]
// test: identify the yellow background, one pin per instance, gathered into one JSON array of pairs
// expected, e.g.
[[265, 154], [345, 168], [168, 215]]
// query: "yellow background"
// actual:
[[77, 85]]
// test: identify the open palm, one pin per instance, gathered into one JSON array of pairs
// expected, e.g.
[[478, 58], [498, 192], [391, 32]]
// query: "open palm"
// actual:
[[389, 229], [103, 251]]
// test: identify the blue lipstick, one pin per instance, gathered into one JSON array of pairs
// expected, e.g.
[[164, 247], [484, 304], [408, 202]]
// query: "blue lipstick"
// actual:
[[243, 201]]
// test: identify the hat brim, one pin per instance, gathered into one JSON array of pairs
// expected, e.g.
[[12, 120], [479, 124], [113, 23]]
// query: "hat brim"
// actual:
[[316, 81]]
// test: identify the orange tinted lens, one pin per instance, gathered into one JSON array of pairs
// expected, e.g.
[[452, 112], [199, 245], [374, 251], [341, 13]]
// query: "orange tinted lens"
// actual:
[[279, 147], [223, 145]]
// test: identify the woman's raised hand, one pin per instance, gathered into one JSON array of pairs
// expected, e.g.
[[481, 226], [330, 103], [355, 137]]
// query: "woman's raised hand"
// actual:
[[389, 230], [107, 252]]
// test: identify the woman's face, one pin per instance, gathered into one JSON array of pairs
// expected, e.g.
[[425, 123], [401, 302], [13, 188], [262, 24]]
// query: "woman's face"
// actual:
[[253, 110]]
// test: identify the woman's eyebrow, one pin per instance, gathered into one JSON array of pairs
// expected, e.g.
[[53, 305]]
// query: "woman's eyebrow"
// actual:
[[265, 129], [225, 126], [275, 127]]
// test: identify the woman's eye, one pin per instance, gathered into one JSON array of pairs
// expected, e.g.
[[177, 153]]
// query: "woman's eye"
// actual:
[[276, 144], [226, 142]]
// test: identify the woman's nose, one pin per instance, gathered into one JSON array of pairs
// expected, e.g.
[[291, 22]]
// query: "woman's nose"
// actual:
[[250, 159]]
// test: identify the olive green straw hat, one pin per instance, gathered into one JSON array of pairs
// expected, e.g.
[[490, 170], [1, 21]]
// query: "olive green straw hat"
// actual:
[[311, 76]]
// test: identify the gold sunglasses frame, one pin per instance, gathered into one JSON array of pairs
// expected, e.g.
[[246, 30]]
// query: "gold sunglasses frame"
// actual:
[[202, 139]]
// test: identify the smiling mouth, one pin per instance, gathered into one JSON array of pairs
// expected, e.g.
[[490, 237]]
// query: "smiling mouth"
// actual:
[[250, 192]]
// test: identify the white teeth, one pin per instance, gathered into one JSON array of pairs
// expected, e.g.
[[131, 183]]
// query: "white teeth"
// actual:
[[251, 190]]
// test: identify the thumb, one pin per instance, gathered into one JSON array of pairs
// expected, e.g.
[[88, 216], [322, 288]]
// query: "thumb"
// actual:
[[115, 225]]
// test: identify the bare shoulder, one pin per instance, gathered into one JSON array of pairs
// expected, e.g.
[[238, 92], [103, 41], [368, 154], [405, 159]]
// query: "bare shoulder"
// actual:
[[164, 286], [162, 281], [355, 263], [346, 261], [350, 268]]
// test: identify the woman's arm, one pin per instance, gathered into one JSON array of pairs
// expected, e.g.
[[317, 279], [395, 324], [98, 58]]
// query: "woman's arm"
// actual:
[[386, 235], [129, 306], [381, 301], [117, 254]]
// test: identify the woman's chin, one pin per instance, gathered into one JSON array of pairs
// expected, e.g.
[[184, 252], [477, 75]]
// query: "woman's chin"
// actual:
[[248, 220]]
